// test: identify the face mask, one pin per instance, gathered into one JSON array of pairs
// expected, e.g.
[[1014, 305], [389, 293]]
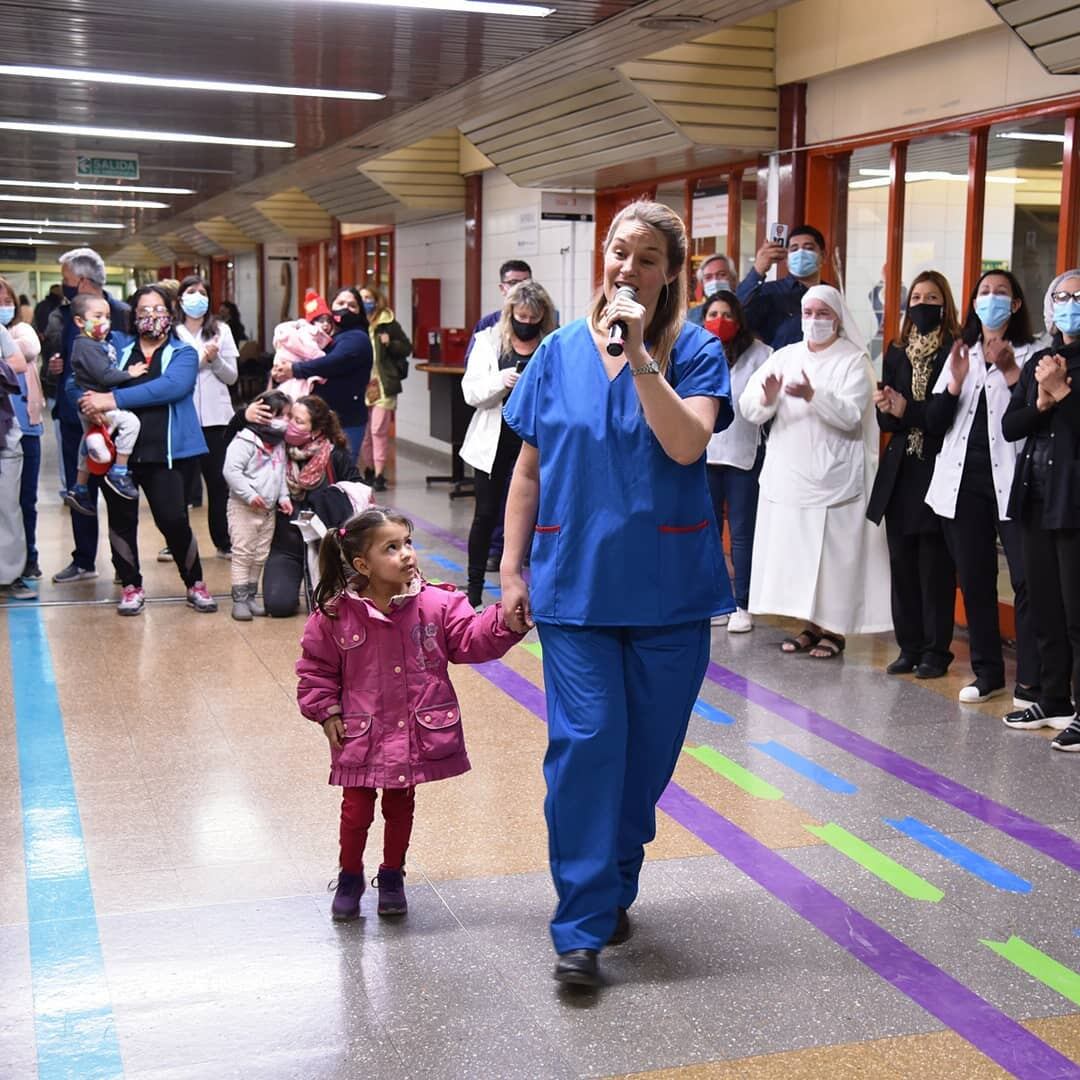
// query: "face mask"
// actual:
[[7, 313], [722, 327], [711, 288], [98, 329], [926, 317], [993, 311], [152, 326], [70, 291], [1066, 317], [348, 320], [369, 306], [295, 436], [818, 330], [272, 432], [195, 304], [524, 331], [803, 263]]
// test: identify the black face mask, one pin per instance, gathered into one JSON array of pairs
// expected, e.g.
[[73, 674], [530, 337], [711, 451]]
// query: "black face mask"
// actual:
[[926, 318], [524, 331], [349, 320]]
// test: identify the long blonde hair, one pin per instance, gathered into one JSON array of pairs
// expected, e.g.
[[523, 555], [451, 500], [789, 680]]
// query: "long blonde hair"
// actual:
[[534, 297], [670, 313]]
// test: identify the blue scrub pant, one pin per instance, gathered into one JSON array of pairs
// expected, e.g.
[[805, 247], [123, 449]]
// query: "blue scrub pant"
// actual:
[[619, 701], [355, 436]]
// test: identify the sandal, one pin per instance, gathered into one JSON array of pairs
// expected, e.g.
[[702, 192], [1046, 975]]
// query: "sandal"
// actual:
[[802, 642], [828, 647]]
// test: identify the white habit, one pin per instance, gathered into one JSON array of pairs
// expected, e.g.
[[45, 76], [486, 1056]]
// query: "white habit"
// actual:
[[816, 557]]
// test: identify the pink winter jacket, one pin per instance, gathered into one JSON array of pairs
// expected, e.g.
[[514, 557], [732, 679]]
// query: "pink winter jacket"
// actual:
[[387, 677]]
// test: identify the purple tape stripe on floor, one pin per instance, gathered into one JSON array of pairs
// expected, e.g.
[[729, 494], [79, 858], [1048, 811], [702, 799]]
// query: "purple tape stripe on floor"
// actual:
[[990, 1031], [1053, 844]]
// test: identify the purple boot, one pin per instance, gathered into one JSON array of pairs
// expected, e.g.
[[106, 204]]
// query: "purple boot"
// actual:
[[346, 905], [391, 886]]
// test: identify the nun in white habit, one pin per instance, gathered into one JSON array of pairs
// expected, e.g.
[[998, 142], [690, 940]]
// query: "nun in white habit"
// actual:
[[816, 557]]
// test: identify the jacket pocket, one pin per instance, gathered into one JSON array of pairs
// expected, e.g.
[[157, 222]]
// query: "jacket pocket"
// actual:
[[544, 561], [349, 638], [438, 731], [357, 742], [687, 557]]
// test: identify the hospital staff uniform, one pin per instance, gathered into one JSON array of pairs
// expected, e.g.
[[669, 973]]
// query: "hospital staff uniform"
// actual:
[[627, 570]]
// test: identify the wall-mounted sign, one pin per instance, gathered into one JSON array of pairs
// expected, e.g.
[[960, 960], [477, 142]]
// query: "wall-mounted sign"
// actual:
[[106, 167], [527, 238], [710, 216], [560, 206]]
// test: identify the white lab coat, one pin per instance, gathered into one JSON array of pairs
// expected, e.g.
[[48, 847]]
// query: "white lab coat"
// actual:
[[483, 389]]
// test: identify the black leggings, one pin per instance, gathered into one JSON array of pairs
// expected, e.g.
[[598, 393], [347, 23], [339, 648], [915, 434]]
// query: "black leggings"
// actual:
[[164, 489], [284, 570], [211, 466], [490, 500]]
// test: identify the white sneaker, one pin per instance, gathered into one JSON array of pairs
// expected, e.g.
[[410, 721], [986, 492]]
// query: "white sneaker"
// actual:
[[740, 622], [719, 620], [978, 692], [132, 602]]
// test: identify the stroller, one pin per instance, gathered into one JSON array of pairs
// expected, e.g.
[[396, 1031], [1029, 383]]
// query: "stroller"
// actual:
[[313, 529]]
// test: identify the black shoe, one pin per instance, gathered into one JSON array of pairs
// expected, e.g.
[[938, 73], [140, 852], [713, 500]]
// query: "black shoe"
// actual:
[[902, 665], [369, 476], [927, 670], [622, 929], [1069, 739], [378, 483], [1036, 716], [32, 571], [578, 968], [1025, 695]]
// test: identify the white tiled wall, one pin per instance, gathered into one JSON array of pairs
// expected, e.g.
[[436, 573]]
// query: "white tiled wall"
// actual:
[[427, 249], [246, 274]]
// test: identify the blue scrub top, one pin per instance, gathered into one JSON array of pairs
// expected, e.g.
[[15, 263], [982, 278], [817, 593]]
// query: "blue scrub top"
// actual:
[[625, 536]]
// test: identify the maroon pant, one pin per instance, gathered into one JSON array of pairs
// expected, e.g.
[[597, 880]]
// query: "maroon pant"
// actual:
[[357, 813]]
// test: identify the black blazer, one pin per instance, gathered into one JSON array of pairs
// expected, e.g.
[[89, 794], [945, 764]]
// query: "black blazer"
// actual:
[[896, 373], [1022, 420]]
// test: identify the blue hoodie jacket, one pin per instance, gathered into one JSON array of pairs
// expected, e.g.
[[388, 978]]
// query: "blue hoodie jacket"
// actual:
[[173, 387]]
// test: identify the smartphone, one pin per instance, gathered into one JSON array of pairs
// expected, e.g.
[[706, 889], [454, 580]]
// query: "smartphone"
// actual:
[[778, 233], [881, 386], [519, 367]]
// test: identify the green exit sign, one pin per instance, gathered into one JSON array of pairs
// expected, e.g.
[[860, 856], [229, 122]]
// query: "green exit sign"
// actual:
[[112, 167]]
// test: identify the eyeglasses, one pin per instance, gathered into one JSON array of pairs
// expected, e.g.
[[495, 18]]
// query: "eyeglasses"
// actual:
[[1065, 297], [159, 310]]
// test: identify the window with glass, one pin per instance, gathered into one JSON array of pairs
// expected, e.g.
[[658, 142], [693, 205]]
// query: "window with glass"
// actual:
[[1023, 204], [867, 232]]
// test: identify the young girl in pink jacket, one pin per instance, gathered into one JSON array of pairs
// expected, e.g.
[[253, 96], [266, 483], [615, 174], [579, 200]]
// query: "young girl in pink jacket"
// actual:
[[373, 673]]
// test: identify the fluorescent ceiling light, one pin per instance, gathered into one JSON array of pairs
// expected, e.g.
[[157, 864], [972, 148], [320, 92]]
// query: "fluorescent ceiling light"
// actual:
[[1031, 136], [35, 222], [50, 229], [78, 186], [53, 200], [116, 78], [139, 135], [468, 7], [30, 241], [881, 178]]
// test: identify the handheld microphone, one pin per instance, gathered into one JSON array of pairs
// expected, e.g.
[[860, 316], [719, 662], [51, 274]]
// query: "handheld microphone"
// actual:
[[617, 331]]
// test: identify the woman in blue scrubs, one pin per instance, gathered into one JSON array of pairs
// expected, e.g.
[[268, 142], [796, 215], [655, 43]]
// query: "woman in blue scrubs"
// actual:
[[627, 570]]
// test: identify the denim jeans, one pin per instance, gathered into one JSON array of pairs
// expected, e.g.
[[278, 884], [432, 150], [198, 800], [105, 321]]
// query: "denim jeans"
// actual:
[[737, 491]]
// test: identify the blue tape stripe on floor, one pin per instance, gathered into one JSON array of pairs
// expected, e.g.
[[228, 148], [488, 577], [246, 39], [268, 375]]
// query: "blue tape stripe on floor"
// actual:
[[456, 568], [805, 767], [962, 856], [73, 1018], [712, 713]]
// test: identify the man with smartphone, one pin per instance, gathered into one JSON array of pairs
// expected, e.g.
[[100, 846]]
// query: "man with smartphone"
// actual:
[[774, 308]]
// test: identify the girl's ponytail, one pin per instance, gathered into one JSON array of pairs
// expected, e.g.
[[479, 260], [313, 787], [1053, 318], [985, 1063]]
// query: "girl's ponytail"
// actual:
[[333, 574]]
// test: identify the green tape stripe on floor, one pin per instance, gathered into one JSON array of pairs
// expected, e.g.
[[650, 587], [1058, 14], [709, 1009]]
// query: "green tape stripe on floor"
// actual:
[[1039, 966], [877, 862], [733, 771], [533, 647]]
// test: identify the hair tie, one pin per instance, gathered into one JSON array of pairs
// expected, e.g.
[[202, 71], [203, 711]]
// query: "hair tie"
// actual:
[[341, 533]]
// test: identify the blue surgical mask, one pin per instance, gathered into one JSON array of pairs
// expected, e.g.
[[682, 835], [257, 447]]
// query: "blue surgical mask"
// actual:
[[994, 311], [1066, 317], [711, 288], [195, 304], [7, 313], [803, 263], [369, 306]]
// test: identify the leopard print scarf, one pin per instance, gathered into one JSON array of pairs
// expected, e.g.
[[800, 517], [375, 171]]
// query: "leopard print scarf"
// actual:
[[921, 350]]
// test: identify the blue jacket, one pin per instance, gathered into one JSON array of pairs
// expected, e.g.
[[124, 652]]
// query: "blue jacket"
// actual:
[[773, 308], [173, 387], [346, 367], [59, 337]]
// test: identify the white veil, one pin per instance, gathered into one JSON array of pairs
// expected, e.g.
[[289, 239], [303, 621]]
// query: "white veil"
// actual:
[[849, 328]]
